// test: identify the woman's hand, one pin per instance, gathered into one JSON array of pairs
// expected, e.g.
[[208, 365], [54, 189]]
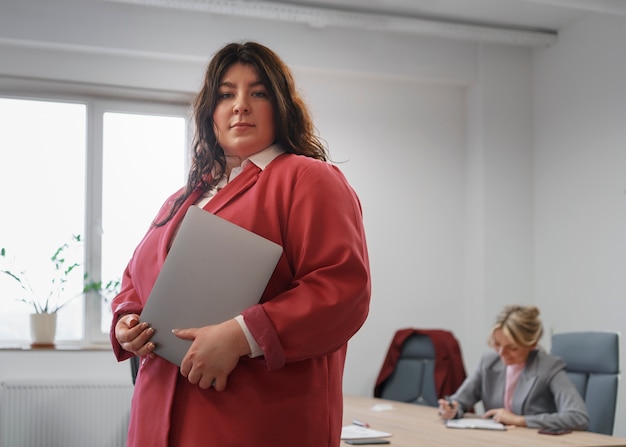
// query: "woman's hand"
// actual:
[[213, 354], [134, 336], [447, 410], [505, 417]]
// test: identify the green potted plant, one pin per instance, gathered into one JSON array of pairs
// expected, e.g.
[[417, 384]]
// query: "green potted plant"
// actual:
[[45, 308]]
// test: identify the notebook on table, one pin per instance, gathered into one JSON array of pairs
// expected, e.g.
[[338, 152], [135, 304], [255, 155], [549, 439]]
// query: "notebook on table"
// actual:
[[213, 271], [478, 423], [358, 432]]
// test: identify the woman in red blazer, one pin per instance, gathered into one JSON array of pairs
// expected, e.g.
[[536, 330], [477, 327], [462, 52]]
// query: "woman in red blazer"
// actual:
[[273, 375]]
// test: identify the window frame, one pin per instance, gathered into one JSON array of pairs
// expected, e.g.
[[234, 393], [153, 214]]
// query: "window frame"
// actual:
[[99, 100]]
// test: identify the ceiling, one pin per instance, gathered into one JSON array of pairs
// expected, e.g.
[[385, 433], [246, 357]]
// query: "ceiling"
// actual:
[[521, 22], [531, 14]]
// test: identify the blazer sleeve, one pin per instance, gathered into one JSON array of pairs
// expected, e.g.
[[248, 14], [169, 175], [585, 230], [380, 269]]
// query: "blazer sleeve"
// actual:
[[328, 298], [470, 391], [571, 410]]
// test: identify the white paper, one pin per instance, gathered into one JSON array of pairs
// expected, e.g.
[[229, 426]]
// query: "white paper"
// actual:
[[382, 407], [486, 424]]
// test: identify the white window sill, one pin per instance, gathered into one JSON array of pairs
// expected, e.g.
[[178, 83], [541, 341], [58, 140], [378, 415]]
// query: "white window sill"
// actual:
[[61, 346]]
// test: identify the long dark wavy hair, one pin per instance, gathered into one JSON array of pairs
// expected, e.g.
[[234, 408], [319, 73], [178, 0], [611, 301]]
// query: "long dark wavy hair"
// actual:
[[293, 124]]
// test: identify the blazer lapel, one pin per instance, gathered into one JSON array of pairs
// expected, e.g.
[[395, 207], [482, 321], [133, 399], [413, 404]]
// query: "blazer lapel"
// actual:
[[525, 384], [234, 189], [172, 226], [230, 192], [495, 378]]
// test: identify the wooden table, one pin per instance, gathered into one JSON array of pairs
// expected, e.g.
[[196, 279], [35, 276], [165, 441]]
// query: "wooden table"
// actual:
[[417, 425]]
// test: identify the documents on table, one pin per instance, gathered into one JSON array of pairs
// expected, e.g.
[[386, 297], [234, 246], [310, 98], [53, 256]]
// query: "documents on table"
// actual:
[[485, 424], [359, 432]]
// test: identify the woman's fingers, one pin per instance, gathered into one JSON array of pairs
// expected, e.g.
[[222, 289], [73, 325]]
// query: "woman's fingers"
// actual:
[[134, 336]]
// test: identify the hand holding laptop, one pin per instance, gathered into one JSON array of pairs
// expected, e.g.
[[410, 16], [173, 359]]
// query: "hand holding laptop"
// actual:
[[223, 343]]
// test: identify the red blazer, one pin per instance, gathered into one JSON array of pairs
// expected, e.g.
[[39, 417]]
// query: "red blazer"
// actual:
[[449, 367], [316, 300]]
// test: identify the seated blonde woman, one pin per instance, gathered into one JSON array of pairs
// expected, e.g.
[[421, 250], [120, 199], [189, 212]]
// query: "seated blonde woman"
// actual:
[[518, 382]]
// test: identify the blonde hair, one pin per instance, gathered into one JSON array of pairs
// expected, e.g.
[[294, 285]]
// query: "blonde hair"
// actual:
[[519, 323]]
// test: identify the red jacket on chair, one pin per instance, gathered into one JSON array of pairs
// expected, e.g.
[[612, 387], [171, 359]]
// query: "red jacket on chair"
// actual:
[[449, 367]]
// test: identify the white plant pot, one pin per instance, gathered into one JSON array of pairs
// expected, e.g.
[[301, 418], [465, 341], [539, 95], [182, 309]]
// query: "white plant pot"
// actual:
[[43, 328]]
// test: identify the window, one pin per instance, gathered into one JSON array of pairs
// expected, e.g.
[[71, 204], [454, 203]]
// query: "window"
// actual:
[[97, 168], [42, 154]]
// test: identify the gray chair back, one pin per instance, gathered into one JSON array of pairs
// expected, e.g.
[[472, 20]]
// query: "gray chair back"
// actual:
[[413, 379], [593, 366], [134, 367]]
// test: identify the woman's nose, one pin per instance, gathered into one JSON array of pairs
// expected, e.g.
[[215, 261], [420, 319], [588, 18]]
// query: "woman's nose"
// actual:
[[241, 107]]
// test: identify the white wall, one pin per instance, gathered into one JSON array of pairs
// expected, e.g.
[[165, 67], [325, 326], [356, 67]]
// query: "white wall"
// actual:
[[46, 364], [580, 182], [436, 136], [499, 193]]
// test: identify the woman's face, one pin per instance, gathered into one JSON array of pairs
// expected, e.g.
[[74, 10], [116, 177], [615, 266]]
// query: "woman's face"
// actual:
[[243, 119], [510, 352]]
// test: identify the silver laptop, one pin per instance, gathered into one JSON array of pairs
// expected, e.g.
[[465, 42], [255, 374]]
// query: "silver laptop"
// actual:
[[213, 271]]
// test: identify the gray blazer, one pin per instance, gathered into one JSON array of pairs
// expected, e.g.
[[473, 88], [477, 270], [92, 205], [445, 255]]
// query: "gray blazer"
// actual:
[[544, 395]]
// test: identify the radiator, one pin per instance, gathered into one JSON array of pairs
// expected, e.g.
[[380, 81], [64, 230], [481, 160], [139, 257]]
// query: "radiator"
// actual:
[[63, 414]]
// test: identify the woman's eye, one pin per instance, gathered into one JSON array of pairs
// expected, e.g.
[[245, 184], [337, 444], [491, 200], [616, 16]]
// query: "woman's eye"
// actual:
[[224, 95], [259, 94]]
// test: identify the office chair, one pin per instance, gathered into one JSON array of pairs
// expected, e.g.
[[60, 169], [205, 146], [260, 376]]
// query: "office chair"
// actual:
[[593, 366], [134, 367], [420, 367]]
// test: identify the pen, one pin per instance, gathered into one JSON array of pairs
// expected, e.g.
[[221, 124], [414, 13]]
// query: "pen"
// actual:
[[449, 400], [360, 423]]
